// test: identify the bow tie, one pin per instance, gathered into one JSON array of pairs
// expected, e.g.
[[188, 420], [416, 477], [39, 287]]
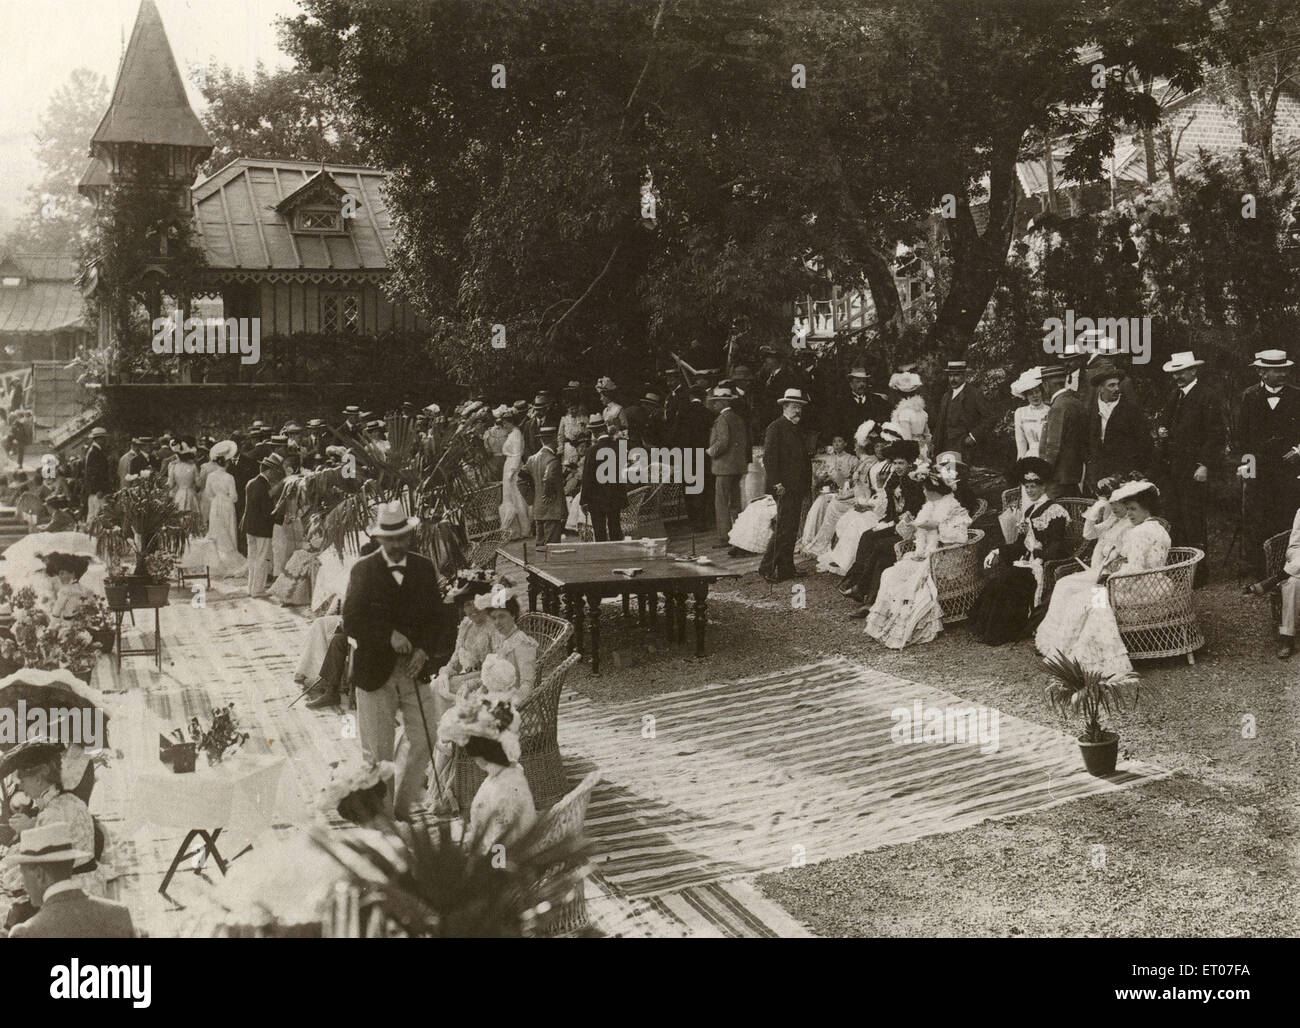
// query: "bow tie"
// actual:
[[397, 567], [1273, 392]]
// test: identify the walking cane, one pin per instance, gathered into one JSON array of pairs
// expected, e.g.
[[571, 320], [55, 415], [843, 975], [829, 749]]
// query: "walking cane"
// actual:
[[433, 763]]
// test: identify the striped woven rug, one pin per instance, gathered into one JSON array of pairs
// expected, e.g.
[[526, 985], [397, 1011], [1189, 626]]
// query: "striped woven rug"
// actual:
[[760, 775], [701, 790]]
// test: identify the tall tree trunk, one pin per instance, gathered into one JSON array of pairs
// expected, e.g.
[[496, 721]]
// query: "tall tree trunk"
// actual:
[[978, 260]]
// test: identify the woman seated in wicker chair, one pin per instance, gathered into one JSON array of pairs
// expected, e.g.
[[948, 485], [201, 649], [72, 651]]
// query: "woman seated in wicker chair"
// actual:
[[1006, 604], [1106, 523], [903, 500], [907, 607], [1088, 631], [857, 507], [516, 645], [486, 726]]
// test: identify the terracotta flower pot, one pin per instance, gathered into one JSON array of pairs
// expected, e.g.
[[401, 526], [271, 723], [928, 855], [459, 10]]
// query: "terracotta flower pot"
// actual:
[[1100, 757]]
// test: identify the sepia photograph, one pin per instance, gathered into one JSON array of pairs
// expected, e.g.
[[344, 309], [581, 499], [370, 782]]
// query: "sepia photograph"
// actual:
[[650, 470]]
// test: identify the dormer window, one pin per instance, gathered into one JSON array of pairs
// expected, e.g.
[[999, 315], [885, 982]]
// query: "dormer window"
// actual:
[[318, 219]]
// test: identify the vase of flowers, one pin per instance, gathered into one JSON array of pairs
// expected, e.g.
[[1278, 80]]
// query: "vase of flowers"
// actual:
[[140, 525]]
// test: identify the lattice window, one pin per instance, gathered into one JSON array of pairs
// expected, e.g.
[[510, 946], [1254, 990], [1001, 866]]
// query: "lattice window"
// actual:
[[340, 312], [317, 220]]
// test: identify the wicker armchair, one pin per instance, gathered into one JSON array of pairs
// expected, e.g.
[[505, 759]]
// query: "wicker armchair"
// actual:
[[672, 501], [981, 508], [539, 749], [1154, 609], [552, 636], [1011, 498], [956, 571], [483, 548], [482, 510], [1274, 561], [1075, 544], [563, 822]]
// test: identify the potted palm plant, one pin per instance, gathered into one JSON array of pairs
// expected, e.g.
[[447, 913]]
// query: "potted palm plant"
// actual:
[[1074, 690], [140, 526]]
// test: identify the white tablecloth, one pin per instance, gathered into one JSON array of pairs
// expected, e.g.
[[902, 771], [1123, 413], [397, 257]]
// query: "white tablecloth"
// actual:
[[241, 795]]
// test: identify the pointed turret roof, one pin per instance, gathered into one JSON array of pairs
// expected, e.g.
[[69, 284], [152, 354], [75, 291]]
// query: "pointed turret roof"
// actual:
[[149, 103]]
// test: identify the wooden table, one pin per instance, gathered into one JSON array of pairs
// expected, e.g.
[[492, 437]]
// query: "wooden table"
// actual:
[[578, 582]]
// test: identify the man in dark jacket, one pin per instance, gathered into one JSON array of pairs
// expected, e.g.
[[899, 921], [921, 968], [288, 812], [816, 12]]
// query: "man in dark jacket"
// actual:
[[258, 522], [393, 609], [966, 418], [729, 458], [855, 406], [604, 489], [1268, 427], [46, 856], [776, 378], [96, 478], [542, 481], [1119, 437], [788, 472], [1192, 431], [1065, 434]]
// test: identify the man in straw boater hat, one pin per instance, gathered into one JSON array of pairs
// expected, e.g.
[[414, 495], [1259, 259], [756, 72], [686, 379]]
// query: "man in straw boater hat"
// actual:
[[1268, 429], [859, 405], [97, 479], [1065, 433], [258, 522], [393, 609], [542, 479], [789, 480], [965, 419], [45, 856], [1192, 434], [729, 455], [602, 500]]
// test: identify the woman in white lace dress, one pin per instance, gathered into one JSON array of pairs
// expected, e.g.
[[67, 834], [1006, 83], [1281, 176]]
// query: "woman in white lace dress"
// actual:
[[910, 414], [907, 609], [1081, 624], [182, 476], [1106, 523], [219, 489], [514, 508], [1032, 417], [485, 726], [854, 488], [865, 503]]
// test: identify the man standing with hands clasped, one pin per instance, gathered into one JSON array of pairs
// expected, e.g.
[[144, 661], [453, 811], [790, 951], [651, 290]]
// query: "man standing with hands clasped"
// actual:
[[1192, 436], [393, 611], [789, 479]]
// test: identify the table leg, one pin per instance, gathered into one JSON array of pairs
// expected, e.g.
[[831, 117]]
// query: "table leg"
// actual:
[[117, 653], [532, 594], [570, 616], [157, 638], [579, 619], [654, 610], [593, 606], [669, 616], [680, 599], [701, 618], [627, 598]]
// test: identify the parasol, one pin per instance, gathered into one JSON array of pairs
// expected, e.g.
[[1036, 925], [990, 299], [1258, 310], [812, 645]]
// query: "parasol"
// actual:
[[48, 690]]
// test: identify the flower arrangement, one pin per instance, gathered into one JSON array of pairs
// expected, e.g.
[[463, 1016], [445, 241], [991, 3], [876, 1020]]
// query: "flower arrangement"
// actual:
[[49, 646], [142, 521], [24, 599], [221, 738]]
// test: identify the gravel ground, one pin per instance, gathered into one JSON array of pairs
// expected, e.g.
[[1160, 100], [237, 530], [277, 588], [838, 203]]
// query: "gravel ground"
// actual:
[[1211, 851]]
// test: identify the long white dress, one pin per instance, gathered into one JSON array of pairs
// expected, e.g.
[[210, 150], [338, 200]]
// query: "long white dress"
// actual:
[[219, 489], [851, 525], [514, 509], [1080, 621], [911, 417], [907, 609], [1029, 422], [502, 811], [201, 484], [181, 478], [831, 504]]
